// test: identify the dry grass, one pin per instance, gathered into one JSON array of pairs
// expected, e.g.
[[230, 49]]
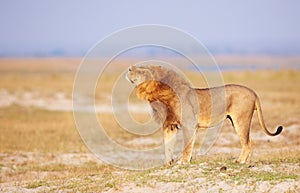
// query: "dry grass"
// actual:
[[44, 75], [35, 130], [35, 142]]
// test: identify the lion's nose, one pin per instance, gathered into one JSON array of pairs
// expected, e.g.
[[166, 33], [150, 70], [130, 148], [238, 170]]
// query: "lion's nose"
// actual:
[[131, 68]]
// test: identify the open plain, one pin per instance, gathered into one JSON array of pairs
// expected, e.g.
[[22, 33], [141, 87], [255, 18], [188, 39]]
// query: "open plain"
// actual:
[[41, 149]]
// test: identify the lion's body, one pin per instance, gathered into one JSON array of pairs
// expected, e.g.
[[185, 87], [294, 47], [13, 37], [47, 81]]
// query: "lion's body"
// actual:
[[239, 103], [167, 93]]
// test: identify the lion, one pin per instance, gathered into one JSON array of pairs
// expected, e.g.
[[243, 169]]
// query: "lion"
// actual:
[[168, 93]]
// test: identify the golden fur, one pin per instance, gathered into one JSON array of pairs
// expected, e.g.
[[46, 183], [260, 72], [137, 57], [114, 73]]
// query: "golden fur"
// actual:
[[153, 91], [168, 92]]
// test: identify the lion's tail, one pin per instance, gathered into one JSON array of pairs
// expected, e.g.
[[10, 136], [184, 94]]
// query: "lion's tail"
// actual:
[[261, 120]]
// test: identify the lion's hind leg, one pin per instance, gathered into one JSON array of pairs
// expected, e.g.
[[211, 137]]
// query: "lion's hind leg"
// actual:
[[242, 127]]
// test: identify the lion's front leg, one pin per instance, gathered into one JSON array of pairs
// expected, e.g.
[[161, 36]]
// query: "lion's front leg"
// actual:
[[170, 132], [189, 141]]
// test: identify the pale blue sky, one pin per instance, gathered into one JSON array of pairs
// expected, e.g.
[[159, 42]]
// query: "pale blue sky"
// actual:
[[35, 27]]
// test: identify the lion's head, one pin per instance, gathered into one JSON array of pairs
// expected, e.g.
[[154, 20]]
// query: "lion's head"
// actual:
[[140, 74], [164, 88]]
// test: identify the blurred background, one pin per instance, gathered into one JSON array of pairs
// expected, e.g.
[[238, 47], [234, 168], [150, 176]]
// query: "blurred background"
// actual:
[[42, 43], [70, 28]]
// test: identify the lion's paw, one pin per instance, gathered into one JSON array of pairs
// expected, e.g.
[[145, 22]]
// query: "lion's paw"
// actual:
[[169, 163]]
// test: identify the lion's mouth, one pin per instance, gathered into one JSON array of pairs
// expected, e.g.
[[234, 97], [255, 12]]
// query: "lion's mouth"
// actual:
[[129, 80]]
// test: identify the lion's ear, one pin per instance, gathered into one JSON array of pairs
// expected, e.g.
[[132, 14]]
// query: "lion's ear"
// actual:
[[132, 68], [156, 67], [158, 71]]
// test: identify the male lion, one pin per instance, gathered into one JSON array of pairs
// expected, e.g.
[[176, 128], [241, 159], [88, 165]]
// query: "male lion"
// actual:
[[168, 94]]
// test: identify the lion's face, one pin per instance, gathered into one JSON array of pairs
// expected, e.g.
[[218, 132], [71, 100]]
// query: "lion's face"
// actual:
[[137, 75]]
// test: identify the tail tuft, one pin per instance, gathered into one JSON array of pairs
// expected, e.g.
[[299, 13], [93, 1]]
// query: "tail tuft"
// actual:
[[261, 121], [279, 129]]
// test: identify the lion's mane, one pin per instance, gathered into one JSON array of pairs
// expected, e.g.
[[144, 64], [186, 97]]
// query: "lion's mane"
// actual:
[[165, 92]]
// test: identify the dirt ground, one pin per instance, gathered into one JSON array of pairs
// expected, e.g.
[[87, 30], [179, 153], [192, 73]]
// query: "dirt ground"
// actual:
[[41, 149]]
